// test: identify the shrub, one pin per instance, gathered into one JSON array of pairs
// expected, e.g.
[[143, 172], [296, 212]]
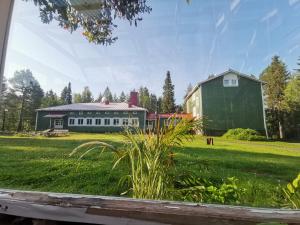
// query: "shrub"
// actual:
[[244, 134], [195, 189]]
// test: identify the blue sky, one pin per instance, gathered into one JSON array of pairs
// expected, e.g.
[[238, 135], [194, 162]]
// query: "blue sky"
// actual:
[[191, 40]]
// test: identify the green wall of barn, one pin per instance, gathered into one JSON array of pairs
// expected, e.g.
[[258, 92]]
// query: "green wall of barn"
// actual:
[[44, 123], [232, 107]]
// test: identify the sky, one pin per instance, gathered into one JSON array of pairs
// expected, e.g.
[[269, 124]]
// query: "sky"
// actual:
[[192, 41]]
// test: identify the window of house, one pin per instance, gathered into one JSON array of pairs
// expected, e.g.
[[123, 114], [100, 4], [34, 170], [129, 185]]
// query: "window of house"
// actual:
[[230, 80], [116, 122], [98, 113], [135, 122], [98, 121], [80, 121], [116, 113], [106, 113], [72, 113], [106, 122], [80, 113], [125, 112], [89, 121], [58, 122], [71, 121], [89, 113], [226, 82], [134, 112], [125, 122]]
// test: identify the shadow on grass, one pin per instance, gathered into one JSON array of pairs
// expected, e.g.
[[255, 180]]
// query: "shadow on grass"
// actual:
[[258, 164]]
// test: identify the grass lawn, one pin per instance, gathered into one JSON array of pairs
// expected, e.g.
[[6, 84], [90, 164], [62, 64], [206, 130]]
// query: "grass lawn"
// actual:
[[43, 164]]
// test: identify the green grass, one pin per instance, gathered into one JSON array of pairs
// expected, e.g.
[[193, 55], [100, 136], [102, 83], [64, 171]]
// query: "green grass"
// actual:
[[43, 164]]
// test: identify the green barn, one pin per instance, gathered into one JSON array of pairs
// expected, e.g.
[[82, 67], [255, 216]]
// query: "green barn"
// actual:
[[97, 117], [228, 100]]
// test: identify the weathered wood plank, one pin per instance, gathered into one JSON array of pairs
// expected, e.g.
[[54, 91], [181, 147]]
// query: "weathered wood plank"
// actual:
[[115, 210]]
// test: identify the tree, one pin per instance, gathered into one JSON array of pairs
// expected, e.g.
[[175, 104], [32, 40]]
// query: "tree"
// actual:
[[115, 98], [144, 97], [153, 103], [168, 101], [63, 96], [292, 94], [77, 98], [159, 105], [107, 94], [86, 95], [275, 77], [298, 70], [97, 28], [50, 99], [69, 94], [66, 95], [30, 94], [188, 90], [122, 97]]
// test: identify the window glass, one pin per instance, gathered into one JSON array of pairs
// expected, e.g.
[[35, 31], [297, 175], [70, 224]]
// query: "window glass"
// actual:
[[79, 121], [98, 121], [116, 122], [89, 121], [72, 121], [106, 122], [226, 82], [125, 122]]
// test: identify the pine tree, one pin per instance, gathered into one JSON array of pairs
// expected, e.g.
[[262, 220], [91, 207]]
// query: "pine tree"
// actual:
[[69, 94], [100, 96], [86, 96], [115, 98], [107, 94], [168, 101], [275, 77], [63, 96], [122, 97]]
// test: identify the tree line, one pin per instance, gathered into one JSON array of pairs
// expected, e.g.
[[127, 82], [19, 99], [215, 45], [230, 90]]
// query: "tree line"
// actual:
[[282, 98], [22, 95]]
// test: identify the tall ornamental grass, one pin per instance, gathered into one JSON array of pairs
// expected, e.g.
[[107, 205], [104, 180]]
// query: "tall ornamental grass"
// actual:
[[148, 155]]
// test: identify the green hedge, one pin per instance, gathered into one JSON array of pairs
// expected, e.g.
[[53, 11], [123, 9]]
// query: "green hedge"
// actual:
[[244, 134]]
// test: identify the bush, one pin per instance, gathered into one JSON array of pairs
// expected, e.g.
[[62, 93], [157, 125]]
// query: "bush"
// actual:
[[244, 134], [195, 189]]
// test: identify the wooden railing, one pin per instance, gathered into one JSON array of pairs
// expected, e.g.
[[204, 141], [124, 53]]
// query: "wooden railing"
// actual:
[[118, 211]]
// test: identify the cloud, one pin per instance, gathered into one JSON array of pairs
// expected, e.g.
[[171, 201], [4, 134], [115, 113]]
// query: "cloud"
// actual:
[[235, 3], [269, 15], [253, 38], [293, 2], [220, 20], [224, 28], [295, 47], [213, 45]]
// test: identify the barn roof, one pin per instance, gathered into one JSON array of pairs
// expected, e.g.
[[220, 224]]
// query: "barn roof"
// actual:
[[252, 77], [94, 107]]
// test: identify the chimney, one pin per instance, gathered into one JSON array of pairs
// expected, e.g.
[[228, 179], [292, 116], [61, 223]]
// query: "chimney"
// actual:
[[134, 100]]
